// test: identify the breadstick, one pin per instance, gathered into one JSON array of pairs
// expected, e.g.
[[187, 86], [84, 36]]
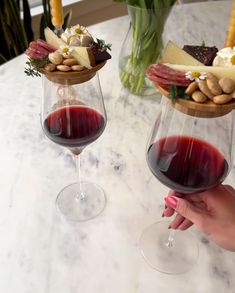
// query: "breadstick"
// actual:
[[230, 38]]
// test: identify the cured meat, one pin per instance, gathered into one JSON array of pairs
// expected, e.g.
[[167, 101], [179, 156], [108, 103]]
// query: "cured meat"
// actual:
[[38, 49], [161, 74], [159, 80], [45, 45], [33, 54], [34, 46]]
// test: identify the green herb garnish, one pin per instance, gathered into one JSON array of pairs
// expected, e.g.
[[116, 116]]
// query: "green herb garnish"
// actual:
[[177, 92], [34, 65], [103, 46]]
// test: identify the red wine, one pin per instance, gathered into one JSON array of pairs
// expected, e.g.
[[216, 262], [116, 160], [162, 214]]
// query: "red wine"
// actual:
[[186, 164], [74, 126]]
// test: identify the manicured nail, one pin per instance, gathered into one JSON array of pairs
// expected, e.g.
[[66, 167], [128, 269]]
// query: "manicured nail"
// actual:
[[171, 201], [169, 227], [163, 215]]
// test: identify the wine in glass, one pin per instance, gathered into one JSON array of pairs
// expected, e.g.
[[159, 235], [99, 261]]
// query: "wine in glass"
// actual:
[[188, 153], [73, 116]]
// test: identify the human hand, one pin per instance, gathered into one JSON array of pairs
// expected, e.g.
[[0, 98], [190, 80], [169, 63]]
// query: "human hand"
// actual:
[[212, 212]]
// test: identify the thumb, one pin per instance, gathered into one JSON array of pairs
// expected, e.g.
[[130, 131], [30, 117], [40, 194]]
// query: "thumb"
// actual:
[[183, 207]]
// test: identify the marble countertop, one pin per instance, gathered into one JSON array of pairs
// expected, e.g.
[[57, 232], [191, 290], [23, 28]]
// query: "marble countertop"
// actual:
[[42, 253]]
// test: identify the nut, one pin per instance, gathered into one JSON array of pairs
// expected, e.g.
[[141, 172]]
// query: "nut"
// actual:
[[70, 62], [204, 88], [199, 97], [77, 67], [233, 94], [222, 99], [213, 85], [191, 88], [227, 85], [211, 76], [63, 68], [50, 67], [55, 58]]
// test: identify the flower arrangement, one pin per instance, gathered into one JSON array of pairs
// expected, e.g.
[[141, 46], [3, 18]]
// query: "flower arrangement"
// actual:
[[147, 20]]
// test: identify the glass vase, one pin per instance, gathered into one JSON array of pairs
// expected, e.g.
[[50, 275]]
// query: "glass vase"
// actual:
[[142, 46]]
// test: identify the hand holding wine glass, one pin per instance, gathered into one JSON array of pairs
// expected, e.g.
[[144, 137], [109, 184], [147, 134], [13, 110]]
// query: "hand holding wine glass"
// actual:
[[212, 211], [189, 153]]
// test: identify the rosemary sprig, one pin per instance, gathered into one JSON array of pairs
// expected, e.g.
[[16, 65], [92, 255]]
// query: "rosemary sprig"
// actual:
[[34, 65], [30, 70], [103, 46], [177, 92]]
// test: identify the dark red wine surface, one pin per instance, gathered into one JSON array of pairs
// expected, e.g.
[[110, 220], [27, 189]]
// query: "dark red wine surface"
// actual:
[[74, 126], [186, 164]]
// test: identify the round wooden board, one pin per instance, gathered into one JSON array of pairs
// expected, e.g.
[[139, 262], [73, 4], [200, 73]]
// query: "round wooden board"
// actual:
[[73, 77], [207, 109]]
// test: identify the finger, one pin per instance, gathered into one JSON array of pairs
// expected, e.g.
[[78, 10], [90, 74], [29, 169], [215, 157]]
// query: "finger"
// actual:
[[194, 197], [229, 188], [168, 212], [185, 225], [178, 220], [184, 208]]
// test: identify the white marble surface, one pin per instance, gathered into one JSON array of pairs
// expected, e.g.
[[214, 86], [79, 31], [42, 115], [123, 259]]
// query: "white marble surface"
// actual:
[[42, 253]]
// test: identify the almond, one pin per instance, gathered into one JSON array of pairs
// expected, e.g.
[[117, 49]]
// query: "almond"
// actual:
[[204, 88], [222, 99], [50, 67], [191, 88], [63, 68], [77, 67], [199, 97], [70, 61], [227, 85], [213, 86], [55, 58]]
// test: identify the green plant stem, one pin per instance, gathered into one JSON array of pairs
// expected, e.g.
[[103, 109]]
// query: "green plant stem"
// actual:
[[147, 27]]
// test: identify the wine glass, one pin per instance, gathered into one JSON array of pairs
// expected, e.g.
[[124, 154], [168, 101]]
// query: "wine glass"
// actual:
[[73, 116], [188, 154]]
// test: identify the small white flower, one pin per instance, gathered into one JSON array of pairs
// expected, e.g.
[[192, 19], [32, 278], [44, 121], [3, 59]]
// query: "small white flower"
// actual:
[[65, 51], [78, 30], [195, 75]]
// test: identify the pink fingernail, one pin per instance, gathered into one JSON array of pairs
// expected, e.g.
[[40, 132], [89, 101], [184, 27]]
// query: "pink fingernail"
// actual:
[[171, 201]]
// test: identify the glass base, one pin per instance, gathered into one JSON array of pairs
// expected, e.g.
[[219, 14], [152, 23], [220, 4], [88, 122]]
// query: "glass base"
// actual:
[[84, 206], [175, 257]]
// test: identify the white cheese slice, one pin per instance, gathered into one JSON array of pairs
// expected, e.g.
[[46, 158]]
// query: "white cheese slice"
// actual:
[[175, 55], [52, 39], [218, 71], [84, 56]]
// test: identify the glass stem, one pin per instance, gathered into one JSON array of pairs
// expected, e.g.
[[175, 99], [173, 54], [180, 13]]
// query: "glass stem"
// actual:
[[171, 239], [80, 194]]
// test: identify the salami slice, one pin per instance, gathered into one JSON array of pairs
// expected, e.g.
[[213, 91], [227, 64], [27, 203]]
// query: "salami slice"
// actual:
[[164, 75], [45, 45], [38, 49], [33, 54]]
